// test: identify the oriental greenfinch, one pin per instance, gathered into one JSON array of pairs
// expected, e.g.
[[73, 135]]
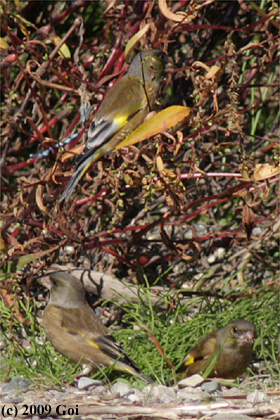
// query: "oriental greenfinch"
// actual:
[[123, 109], [76, 332], [230, 349]]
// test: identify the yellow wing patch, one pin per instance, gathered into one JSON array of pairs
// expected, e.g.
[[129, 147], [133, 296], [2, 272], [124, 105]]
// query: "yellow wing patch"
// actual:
[[120, 120], [189, 360], [93, 344], [123, 369]]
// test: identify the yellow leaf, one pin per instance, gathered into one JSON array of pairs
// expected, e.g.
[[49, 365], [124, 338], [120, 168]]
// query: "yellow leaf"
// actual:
[[162, 121], [3, 44], [160, 165], [212, 72], [64, 50], [3, 245], [134, 40]]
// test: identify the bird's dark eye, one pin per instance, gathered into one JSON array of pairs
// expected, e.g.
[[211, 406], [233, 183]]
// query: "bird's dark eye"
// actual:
[[54, 282], [163, 57], [235, 330]]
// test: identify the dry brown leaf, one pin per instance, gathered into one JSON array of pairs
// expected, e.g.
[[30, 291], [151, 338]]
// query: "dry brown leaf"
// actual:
[[39, 199], [265, 170], [77, 150], [248, 220]]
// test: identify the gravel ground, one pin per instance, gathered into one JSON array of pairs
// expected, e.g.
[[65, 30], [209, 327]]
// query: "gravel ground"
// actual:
[[91, 399]]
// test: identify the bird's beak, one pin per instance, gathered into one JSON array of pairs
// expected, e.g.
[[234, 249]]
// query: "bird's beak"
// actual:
[[248, 337]]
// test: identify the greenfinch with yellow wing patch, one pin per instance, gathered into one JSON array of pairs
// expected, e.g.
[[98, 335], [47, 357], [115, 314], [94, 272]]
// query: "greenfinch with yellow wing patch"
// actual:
[[123, 109], [75, 331], [230, 349]]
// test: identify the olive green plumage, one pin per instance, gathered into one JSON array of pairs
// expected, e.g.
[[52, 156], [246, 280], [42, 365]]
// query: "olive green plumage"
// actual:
[[75, 331], [232, 345], [123, 109]]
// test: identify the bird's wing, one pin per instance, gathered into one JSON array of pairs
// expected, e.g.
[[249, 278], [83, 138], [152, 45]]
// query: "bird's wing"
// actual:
[[90, 329], [86, 331], [82, 321], [120, 105], [202, 351]]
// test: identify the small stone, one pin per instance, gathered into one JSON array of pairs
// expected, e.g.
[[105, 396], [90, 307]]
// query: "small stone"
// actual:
[[192, 381], [137, 397], [84, 382], [134, 398], [189, 389], [147, 389], [162, 394], [122, 389], [59, 395], [211, 259], [16, 384], [257, 397], [230, 391], [188, 395], [211, 386], [99, 390]]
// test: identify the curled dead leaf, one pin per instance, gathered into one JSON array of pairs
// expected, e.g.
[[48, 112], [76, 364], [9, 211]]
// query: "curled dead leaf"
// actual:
[[182, 17], [176, 17], [39, 199], [265, 170], [248, 220]]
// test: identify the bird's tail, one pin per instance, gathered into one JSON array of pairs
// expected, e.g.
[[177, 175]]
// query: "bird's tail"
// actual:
[[130, 367], [79, 172]]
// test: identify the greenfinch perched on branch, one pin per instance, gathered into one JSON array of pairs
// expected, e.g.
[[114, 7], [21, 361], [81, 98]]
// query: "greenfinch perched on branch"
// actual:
[[123, 109], [230, 349], [75, 331]]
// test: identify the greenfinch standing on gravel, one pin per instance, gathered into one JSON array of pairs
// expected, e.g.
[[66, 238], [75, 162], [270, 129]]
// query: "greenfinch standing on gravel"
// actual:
[[123, 109], [75, 331], [232, 346]]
